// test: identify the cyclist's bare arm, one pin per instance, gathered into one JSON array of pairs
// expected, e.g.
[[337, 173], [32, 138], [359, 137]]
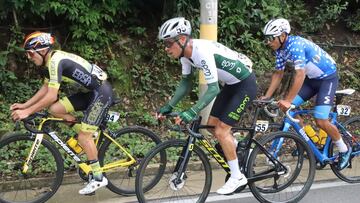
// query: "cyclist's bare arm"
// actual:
[[299, 78], [49, 98], [34, 99]]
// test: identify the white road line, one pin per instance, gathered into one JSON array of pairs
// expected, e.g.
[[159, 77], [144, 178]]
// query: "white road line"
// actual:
[[314, 186]]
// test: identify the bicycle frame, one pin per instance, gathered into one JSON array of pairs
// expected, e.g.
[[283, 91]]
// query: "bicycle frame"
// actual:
[[181, 164], [82, 165], [321, 155]]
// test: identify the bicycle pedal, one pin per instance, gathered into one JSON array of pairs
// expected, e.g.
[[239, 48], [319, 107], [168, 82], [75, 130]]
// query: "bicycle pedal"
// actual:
[[90, 194]]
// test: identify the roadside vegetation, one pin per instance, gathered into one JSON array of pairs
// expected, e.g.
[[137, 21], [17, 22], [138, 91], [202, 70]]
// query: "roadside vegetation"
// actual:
[[121, 37]]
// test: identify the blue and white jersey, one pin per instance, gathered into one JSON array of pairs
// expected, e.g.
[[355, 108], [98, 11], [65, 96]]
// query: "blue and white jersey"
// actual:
[[304, 54]]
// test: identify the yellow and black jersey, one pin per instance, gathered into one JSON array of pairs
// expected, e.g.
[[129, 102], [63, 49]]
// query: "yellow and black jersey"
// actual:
[[67, 67]]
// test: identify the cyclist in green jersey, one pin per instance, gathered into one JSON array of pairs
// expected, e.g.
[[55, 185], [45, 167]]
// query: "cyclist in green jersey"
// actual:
[[63, 66], [219, 64]]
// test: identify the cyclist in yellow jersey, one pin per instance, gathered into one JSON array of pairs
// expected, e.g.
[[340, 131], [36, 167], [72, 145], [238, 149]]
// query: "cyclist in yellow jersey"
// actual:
[[63, 66]]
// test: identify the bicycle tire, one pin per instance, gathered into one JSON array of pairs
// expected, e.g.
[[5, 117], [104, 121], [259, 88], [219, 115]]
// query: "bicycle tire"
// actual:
[[351, 174], [194, 185], [138, 141], [13, 153], [288, 187]]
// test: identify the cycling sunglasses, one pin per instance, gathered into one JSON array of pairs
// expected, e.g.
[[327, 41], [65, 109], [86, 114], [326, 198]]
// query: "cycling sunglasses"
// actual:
[[30, 53], [169, 43], [268, 39]]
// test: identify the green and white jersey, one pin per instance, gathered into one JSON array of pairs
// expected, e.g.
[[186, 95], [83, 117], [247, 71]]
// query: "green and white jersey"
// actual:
[[218, 62]]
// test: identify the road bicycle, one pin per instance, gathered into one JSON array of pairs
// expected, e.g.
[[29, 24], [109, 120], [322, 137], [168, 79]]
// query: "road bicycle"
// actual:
[[32, 168], [187, 172], [327, 154]]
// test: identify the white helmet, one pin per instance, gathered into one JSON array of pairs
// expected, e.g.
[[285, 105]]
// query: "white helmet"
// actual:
[[276, 27], [174, 27]]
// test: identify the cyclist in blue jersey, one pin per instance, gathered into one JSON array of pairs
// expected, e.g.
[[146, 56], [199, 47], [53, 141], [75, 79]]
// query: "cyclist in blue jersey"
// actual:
[[315, 74]]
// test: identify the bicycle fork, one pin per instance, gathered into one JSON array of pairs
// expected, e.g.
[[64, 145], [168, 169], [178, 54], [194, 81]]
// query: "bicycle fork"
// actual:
[[32, 153], [178, 177]]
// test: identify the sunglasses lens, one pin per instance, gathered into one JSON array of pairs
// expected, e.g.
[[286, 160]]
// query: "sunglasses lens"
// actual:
[[269, 38], [168, 44], [30, 53]]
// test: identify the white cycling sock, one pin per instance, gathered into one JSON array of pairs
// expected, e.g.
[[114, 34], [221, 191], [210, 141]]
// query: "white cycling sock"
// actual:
[[341, 145], [234, 168]]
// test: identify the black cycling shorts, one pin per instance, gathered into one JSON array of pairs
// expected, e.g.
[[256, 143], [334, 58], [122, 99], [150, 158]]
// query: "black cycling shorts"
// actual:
[[232, 100], [324, 89], [95, 104]]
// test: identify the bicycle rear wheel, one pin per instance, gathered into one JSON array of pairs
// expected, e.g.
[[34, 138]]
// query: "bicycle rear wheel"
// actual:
[[290, 186], [43, 177], [351, 174], [193, 186], [137, 141]]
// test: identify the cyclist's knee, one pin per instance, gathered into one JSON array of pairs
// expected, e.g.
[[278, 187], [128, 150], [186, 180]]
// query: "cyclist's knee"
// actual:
[[212, 121], [322, 123], [222, 130], [84, 136], [56, 109]]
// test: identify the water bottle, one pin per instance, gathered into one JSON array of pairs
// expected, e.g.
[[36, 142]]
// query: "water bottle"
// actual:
[[322, 137], [311, 133], [74, 144]]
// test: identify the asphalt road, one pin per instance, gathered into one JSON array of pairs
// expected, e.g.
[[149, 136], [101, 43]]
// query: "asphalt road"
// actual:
[[326, 192]]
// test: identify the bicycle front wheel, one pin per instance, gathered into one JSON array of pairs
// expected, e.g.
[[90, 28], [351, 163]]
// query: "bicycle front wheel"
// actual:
[[350, 174], [137, 141], [287, 180], [192, 186], [43, 177]]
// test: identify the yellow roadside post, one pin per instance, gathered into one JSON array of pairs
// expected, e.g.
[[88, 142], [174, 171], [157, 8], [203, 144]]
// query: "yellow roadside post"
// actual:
[[208, 30]]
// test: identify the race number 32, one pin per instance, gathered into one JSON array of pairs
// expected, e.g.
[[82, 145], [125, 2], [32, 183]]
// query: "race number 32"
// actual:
[[343, 110]]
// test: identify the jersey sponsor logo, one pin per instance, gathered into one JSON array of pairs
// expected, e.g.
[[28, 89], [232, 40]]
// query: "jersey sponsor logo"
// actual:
[[52, 68], [236, 115], [327, 100], [82, 77], [205, 68], [316, 59], [243, 104], [95, 112]]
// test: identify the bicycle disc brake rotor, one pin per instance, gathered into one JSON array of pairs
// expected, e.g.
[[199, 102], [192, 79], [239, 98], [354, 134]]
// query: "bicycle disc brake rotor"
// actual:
[[288, 171], [176, 184]]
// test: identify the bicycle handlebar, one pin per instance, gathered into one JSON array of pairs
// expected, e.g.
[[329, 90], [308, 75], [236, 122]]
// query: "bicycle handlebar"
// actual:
[[29, 121], [192, 132], [270, 103], [289, 116], [187, 126]]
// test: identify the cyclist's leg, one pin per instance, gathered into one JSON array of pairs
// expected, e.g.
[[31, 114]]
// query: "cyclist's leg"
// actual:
[[66, 105], [241, 95], [99, 105], [62, 109], [217, 108], [324, 101], [305, 93]]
